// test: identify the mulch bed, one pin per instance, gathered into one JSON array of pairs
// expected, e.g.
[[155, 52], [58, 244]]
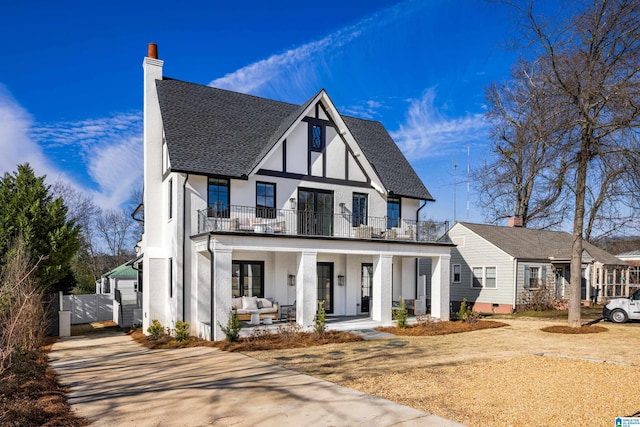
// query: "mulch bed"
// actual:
[[441, 328], [574, 331], [259, 342], [30, 394]]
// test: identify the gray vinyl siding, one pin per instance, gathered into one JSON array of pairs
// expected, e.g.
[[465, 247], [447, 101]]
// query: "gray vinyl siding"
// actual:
[[545, 267], [477, 252]]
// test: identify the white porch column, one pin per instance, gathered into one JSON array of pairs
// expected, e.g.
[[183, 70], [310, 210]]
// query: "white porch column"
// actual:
[[221, 288], [203, 296], [306, 288], [381, 292], [440, 287]]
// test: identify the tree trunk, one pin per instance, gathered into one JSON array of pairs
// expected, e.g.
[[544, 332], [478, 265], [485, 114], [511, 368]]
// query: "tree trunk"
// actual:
[[578, 224]]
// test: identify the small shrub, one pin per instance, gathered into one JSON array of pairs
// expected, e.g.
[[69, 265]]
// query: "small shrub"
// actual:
[[288, 332], [181, 331], [401, 314], [232, 330], [155, 330], [321, 320], [541, 298], [259, 334], [466, 313]]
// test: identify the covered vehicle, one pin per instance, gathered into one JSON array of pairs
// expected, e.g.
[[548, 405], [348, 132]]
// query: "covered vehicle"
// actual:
[[620, 310]]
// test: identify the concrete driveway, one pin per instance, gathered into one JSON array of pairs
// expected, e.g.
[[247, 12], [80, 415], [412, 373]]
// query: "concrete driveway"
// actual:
[[114, 381]]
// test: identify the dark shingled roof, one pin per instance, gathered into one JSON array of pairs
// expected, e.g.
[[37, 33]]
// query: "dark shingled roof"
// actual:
[[530, 244], [213, 131]]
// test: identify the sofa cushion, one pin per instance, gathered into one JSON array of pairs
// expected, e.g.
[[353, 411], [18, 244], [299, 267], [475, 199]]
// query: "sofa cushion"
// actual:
[[249, 303], [266, 303], [236, 303]]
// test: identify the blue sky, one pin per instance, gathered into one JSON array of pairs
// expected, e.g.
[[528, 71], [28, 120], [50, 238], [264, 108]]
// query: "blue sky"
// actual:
[[71, 77]]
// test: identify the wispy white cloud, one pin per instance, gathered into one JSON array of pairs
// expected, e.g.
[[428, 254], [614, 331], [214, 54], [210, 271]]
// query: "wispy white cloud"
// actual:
[[426, 132], [15, 144], [109, 151], [296, 69], [367, 110], [110, 148], [117, 169]]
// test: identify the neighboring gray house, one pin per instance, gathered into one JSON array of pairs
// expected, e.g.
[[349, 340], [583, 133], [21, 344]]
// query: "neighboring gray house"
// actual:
[[122, 285], [498, 268]]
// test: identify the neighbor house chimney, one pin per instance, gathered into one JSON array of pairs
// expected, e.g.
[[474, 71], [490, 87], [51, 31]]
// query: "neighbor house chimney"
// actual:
[[152, 51], [515, 221]]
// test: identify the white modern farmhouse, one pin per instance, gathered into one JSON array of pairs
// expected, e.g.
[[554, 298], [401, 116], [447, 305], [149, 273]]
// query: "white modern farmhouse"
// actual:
[[249, 201]]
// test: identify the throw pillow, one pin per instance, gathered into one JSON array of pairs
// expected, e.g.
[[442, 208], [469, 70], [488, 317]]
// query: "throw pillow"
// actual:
[[266, 303], [249, 303], [259, 303]]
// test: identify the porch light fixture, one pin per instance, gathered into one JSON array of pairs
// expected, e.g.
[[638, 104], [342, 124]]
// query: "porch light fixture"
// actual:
[[292, 203], [342, 208], [292, 280], [340, 280]]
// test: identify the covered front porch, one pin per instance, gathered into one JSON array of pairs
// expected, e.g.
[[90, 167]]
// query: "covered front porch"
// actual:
[[355, 279]]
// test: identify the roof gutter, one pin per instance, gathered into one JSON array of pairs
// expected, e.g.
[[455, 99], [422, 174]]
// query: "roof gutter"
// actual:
[[184, 244]]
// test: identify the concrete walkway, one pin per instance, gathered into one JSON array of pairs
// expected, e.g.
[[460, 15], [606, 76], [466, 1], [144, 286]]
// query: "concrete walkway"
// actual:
[[114, 381]]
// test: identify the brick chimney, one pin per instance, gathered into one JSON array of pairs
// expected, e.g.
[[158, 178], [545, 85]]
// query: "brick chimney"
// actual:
[[514, 221]]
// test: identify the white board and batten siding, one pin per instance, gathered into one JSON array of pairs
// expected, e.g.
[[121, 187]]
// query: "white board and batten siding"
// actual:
[[473, 251]]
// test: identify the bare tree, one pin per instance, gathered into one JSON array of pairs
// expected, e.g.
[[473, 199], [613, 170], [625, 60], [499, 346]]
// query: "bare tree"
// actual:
[[525, 177], [116, 229], [87, 265], [592, 66]]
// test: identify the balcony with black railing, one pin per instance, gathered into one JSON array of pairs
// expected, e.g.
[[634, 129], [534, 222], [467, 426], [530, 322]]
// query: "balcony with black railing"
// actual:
[[268, 221]]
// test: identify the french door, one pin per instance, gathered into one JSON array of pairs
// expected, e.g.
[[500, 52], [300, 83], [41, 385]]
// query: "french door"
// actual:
[[315, 212], [366, 283], [325, 285]]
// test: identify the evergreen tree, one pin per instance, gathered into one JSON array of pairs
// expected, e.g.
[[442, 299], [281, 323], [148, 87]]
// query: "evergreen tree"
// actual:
[[27, 208]]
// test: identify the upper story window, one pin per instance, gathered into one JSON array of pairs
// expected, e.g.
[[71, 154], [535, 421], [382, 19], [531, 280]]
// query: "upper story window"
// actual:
[[218, 195], [316, 137], [265, 200], [393, 212], [359, 214]]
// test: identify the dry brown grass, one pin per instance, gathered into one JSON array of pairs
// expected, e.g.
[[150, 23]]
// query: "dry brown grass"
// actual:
[[490, 377], [441, 328], [30, 394]]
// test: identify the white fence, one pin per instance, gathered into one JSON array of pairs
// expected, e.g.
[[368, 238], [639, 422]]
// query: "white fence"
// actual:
[[88, 308]]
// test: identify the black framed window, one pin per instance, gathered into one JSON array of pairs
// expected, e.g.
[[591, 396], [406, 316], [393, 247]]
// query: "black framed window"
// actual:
[[316, 137], [218, 195], [393, 212], [265, 200], [359, 210], [247, 279]]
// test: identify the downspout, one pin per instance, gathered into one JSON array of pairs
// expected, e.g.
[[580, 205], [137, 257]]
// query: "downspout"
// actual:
[[211, 275], [184, 243], [417, 259]]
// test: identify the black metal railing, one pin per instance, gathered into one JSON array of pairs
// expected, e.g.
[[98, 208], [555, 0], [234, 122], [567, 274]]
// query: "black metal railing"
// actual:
[[247, 219]]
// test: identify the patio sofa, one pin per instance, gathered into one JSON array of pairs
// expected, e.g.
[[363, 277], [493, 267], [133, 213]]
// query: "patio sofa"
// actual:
[[245, 305]]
